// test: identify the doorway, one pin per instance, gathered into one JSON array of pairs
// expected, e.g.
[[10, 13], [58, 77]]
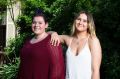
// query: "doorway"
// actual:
[[2, 36]]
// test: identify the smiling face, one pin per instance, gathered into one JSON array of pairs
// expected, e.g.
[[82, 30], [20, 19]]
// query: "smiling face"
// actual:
[[39, 25], [81, 23]]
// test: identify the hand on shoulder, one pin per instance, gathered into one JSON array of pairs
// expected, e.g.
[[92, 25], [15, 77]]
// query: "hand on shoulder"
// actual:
[[56, 39]]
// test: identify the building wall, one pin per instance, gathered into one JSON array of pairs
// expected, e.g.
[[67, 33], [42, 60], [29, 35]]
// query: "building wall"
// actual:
[[10, 26]]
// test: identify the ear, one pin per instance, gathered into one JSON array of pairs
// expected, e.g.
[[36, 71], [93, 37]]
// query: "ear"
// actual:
[[46, 25]]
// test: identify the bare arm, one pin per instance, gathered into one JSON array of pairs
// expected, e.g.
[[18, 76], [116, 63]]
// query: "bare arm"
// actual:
[[56, 39], [96, 52]]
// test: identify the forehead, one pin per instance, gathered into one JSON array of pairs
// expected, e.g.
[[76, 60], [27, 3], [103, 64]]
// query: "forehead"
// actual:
[[83, 16], [38, 18]]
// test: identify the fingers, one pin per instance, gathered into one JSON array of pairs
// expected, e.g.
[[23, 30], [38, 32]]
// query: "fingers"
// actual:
[[55, 39], [55, 42], [51, 41], [58, 42]]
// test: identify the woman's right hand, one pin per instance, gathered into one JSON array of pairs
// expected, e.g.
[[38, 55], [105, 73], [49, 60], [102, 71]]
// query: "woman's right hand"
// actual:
[[55, 40]]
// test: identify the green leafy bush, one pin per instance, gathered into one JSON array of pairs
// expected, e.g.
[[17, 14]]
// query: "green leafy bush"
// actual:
[[10, 70], [15, 44]]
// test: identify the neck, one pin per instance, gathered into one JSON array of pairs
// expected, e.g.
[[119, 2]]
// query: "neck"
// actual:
[[81, 35], [41, 36]]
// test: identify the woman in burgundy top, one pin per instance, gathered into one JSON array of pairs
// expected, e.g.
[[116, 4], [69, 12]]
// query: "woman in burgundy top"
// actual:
[[40, 59]]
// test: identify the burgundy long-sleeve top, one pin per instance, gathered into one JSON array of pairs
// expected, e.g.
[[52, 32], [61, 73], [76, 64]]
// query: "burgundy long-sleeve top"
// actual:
[[41, 61]]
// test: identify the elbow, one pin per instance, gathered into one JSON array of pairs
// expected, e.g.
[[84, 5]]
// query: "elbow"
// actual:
[[95, 74]]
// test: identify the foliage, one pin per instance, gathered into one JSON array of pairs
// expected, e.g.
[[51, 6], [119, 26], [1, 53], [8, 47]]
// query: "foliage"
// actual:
[[108, 29], [15, 44], [2, 10], [63, 13], [25, 24], [10, 70], [3, 5]]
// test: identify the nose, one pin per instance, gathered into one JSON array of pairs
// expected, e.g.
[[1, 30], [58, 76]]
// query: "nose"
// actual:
[[36, 24], [80, 21]]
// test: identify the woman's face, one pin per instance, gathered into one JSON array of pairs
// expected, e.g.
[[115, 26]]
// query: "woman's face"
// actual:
[[39, 25], [81, 22]]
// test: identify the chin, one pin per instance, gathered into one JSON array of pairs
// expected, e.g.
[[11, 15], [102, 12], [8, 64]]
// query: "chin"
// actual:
[[37, 33]]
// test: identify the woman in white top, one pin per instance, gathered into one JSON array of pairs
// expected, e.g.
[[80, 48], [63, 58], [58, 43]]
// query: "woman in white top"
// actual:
[[83, 56]]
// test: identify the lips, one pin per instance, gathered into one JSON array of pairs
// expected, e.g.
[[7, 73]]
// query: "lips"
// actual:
[[36, 28]]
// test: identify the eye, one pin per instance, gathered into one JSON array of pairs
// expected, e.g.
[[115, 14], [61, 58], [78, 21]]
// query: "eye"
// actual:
[[34, 22], [79, 19], [40, 22], [84, 20]]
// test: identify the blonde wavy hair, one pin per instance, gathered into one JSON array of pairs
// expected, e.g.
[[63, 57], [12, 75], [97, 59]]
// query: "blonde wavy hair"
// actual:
[[90, 21]]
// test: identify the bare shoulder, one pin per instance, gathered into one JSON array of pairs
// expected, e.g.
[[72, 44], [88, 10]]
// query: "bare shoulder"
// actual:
[[94, 43], [67, 36], [65, 39], [93, 40]]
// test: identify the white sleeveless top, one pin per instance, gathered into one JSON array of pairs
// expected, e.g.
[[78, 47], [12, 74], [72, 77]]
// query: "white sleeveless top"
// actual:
[[78, 67]]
